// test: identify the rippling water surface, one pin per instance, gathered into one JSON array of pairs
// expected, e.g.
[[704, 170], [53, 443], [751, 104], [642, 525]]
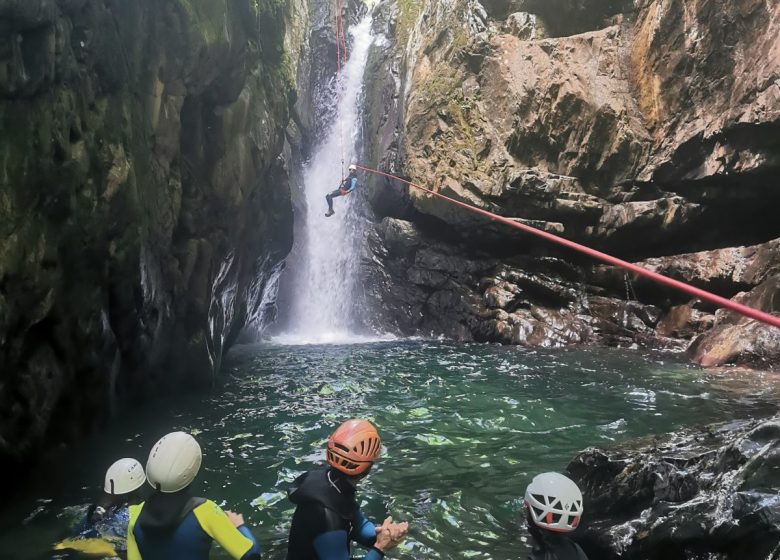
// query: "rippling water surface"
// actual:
[[465, 427]]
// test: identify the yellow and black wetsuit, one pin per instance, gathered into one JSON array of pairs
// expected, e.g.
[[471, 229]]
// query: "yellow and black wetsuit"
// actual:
[[180, 527]]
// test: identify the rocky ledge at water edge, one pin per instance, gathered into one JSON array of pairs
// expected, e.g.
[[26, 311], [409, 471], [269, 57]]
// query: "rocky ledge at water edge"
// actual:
[[712, 494]]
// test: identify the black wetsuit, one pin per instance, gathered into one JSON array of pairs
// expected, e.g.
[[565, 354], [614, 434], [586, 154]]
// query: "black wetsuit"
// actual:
[[557, 547], [327, 518]]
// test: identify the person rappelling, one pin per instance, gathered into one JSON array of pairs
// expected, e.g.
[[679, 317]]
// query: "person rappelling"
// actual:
[[348, 185]]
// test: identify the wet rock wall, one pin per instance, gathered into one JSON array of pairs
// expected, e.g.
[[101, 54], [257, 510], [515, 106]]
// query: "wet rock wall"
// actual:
[[705, 494], [647, 129], [144, 208]]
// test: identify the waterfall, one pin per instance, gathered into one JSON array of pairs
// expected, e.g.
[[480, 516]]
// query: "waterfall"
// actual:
[[329, 251]]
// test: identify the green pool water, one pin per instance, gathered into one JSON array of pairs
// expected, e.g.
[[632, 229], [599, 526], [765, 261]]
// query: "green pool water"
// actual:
[[465, 427]]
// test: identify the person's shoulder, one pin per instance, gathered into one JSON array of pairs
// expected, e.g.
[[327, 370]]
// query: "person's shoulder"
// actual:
[[580, 553], [135, 510], [205, 505], [207, 512]]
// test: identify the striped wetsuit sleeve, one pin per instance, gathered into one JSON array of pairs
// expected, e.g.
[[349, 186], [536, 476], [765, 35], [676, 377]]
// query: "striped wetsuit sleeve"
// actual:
[[240, 544], [333, 546], [132, 547]]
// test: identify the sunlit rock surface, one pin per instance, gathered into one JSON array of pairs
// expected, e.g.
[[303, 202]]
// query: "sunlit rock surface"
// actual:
[[647, 129], [144, 209]]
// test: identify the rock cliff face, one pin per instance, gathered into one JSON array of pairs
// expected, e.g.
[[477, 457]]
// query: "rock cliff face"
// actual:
[[648, 129], [144, 208], [712, 494]]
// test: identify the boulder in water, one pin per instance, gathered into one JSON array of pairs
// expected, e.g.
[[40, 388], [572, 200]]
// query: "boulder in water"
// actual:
[[710, 494]]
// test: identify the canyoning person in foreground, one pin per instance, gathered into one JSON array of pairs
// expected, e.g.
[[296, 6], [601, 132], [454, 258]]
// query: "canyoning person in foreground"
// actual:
[[104, 528], [347, 186], [553, 506], [175, 525], [327, 515]]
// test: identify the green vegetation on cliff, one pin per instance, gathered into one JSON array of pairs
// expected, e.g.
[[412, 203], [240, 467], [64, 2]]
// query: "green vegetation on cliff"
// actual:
[[408, 12]]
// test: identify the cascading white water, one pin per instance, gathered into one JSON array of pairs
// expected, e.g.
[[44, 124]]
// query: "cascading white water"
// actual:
[[325, 285]]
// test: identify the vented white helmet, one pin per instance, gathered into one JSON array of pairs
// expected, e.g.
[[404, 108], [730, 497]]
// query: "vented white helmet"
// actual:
[[174, 462], [123, 477], [352, 167], [554, 502]]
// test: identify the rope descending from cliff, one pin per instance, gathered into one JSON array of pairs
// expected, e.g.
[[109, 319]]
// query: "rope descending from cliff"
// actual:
[[609, 259], [341, 51]]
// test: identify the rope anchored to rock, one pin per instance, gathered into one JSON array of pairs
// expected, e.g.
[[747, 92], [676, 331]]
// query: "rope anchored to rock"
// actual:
[[604, 257], [341, 60]]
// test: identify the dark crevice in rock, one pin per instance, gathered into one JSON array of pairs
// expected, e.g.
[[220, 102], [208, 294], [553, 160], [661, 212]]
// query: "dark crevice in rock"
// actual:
[[562, 17]]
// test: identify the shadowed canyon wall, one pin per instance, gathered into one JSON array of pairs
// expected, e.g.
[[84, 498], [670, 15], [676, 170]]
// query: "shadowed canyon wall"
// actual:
[[144, 206]]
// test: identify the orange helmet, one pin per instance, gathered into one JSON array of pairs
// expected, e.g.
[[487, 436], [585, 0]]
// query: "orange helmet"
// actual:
[[353, 447]]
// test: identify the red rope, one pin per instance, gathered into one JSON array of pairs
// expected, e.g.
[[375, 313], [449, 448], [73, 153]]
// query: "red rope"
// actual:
[[660, 278]]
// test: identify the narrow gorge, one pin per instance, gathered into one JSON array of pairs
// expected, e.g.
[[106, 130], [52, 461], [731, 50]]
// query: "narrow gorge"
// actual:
[[166, 261]]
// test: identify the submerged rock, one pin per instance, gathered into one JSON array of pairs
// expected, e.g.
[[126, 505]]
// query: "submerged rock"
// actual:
[[709, 494]]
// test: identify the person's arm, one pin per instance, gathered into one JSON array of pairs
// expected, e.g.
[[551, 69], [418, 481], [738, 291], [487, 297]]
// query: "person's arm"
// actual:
[[364, 532], [238, 542], [333, 546], [352, 184], [132, 547]]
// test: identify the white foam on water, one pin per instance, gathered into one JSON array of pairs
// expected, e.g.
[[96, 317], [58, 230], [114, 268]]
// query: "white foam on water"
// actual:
[[335, 338]]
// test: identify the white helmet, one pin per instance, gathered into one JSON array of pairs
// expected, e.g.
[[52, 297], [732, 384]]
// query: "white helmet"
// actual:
[[352, 167], [174, 462], [554, 502], [123, 477]]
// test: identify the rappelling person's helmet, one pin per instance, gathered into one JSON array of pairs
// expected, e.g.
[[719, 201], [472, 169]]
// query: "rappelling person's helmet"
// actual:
[[352, 168], [554, 502], [354, 447]]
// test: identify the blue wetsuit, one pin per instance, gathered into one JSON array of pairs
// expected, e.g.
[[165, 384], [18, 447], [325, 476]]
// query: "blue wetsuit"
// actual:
[[350, 183], [180, 527], [347, 186], [327, 519], [109, 524], [104, 527]]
